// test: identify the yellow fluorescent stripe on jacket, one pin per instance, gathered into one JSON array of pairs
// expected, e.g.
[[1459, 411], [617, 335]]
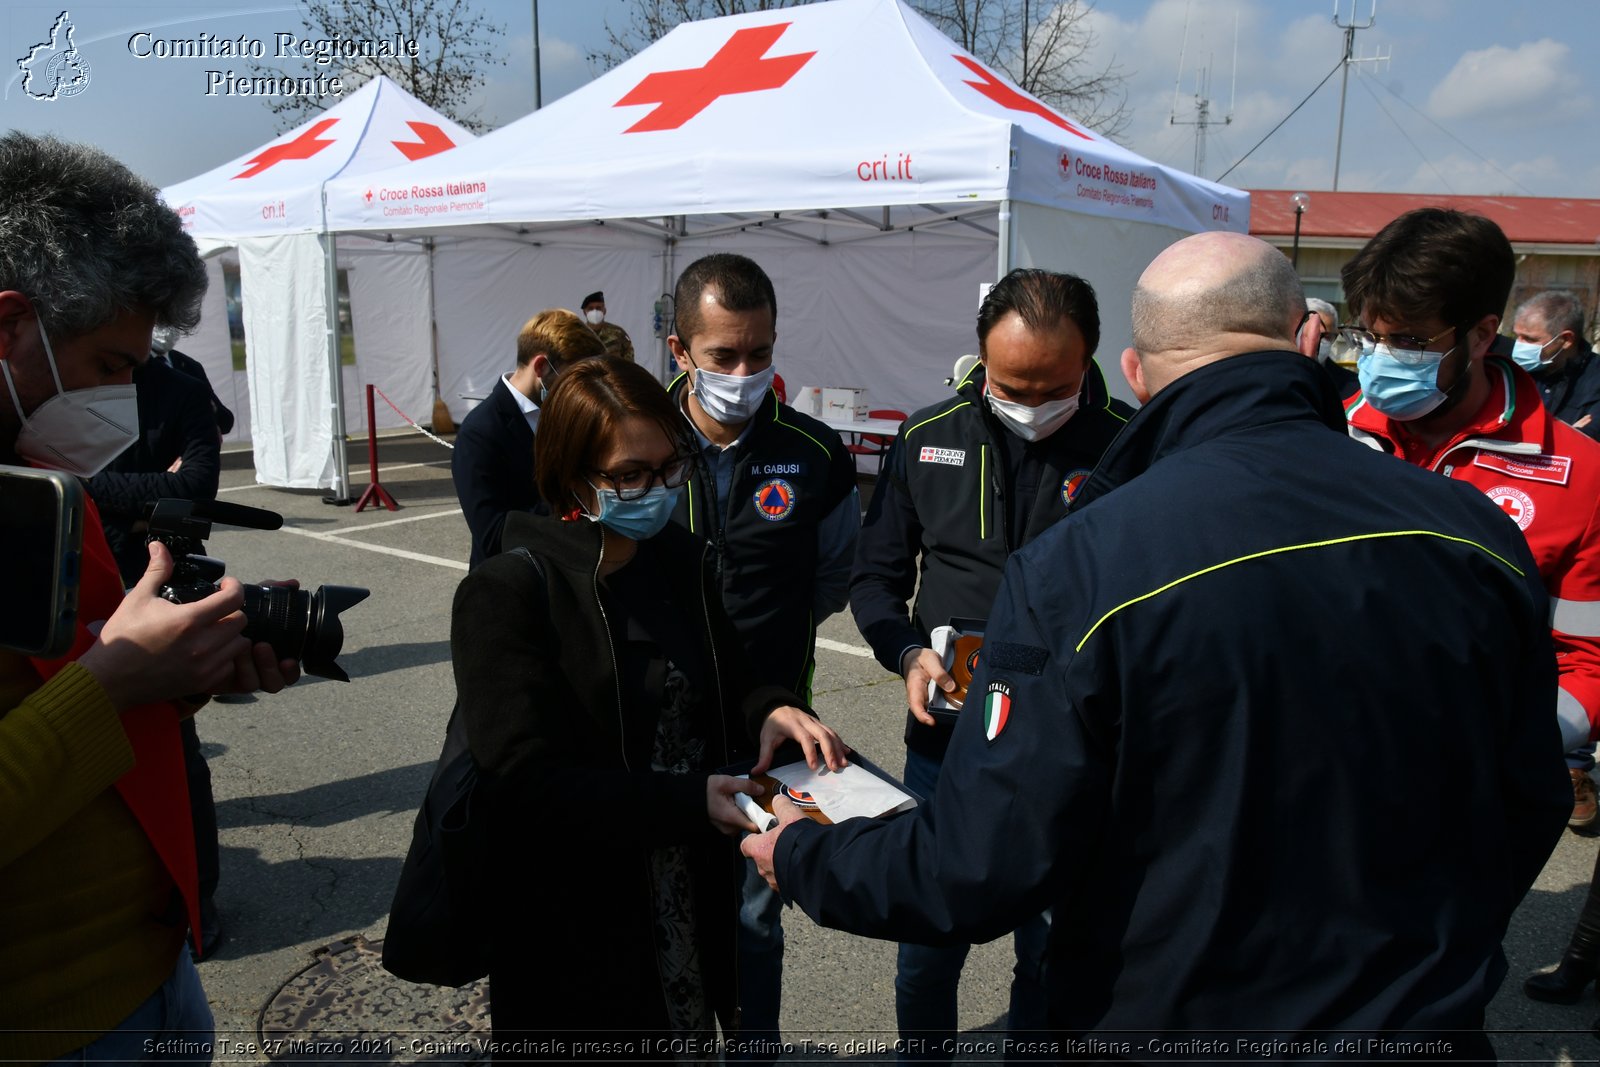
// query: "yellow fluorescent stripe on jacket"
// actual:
[[1290, 548]]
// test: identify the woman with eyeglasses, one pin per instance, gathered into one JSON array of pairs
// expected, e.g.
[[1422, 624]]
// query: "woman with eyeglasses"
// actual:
[[602, 687]]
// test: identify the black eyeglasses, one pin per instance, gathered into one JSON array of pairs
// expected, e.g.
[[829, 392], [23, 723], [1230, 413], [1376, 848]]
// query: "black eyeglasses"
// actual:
[[1354, 339], [635, 483]]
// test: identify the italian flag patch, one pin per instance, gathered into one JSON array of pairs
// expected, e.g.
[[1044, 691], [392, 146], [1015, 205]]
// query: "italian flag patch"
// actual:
[[996, 709]]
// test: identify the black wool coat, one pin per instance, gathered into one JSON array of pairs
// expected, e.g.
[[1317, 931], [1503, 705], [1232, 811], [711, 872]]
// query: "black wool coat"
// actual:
[[573, 806]]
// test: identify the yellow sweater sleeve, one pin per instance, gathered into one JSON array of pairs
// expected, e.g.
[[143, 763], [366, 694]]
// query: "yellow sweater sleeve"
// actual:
[[60, 747]]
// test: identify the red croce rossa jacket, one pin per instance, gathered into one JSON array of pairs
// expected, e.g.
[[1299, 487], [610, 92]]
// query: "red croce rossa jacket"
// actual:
[[1546, 478]]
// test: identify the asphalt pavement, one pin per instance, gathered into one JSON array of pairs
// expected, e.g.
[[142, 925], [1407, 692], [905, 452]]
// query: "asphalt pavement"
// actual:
[[317, 787]]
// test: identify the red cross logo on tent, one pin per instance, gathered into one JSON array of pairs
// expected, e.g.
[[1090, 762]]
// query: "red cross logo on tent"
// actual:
[[738, 67], [433, 141], [303, 147], [1011, 100]]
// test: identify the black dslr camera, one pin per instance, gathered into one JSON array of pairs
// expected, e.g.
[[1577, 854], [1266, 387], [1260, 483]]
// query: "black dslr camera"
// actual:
[[298, 625]]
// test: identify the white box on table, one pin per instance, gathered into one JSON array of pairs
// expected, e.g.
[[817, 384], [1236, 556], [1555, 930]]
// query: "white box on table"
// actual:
[[848, 404]]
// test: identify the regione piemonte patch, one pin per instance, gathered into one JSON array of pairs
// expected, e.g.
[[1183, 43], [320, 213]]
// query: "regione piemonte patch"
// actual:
[[955, 457], [996, 709]]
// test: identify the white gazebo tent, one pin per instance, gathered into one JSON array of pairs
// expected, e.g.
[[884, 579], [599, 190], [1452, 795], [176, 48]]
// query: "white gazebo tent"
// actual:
[[269, 205], [878, 172]]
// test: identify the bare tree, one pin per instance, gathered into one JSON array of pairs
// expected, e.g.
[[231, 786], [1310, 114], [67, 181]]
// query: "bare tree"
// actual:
[[455, 44], [651, 20], [1041, 46], [1044, 48]]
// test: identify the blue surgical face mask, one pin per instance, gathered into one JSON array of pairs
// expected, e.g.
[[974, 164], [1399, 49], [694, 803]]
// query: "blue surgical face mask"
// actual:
[[1531, 357], [640, 519], [546, 383], [1403, 386]]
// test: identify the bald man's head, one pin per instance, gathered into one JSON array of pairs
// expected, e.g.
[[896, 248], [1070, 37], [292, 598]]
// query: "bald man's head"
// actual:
[[1211, 296]]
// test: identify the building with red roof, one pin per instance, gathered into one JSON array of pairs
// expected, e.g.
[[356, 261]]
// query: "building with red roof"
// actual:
[[1557, 240]]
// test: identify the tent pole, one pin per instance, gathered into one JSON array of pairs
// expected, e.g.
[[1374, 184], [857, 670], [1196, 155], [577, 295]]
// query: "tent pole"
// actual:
[[663, 352], [442, 422], [341, 456], [1005, 238]]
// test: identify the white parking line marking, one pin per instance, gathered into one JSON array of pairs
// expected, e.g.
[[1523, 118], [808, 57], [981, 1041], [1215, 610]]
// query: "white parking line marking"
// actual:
[[385, 470], [420, 557], [840, 646], [336, 538], [393, 522]]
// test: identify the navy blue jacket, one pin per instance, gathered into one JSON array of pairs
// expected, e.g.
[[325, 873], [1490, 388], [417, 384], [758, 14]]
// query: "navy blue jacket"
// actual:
[[1222, 805], [766, 555], [176, 421], [186, 364], [492, 468], [959, 494], [1574, 390]]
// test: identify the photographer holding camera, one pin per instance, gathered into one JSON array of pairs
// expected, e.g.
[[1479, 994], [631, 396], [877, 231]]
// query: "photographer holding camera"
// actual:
[[97, 864], [178, 454]]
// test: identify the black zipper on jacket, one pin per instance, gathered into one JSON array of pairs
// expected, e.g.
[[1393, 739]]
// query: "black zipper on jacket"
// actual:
[[722, 722], [717, 520], [996, 475], [622, 733], [711, 643], [611, 646]]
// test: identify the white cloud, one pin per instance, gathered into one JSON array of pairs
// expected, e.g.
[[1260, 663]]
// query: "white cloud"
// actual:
[[1498, 81], [1461, 174], [507, 94]]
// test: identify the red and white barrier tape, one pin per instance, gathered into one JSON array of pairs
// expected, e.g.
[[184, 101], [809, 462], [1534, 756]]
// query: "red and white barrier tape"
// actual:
[[410, 420]]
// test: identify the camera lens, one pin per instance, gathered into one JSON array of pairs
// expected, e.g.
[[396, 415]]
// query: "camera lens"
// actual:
[[300, 625]]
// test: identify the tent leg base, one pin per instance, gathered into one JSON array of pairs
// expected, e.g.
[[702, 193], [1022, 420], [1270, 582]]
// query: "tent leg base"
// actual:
[[338, 501]]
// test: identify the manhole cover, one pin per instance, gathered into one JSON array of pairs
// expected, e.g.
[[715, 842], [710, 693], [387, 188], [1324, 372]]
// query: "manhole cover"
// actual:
[[344, 1006]]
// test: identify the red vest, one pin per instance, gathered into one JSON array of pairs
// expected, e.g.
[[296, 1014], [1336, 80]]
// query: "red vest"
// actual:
[[156, 790], [1546, 477]]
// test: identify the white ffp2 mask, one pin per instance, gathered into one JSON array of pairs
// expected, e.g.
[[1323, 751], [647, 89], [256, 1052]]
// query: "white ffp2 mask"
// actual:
[[1034, 423], [77, 432], [731, 398]]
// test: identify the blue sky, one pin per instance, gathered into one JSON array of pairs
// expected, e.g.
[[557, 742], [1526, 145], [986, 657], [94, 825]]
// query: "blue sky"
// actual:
[[1477, 97]]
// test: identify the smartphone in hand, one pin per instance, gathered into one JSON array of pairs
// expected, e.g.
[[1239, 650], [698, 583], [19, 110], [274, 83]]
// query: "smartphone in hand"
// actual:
[[41, 541]]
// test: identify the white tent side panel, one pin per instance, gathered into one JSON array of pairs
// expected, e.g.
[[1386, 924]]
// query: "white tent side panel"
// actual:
[[1108, 253], [211, 344], [389, 320], [286, 314], [889, 315], [487, 288]]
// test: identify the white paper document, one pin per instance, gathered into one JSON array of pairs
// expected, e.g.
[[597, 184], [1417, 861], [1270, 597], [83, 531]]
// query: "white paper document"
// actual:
[[845, 794]]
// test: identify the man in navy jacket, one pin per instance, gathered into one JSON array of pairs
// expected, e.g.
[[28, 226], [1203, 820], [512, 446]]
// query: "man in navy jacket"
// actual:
[[492, 466], [1221, 806], [968, 481]]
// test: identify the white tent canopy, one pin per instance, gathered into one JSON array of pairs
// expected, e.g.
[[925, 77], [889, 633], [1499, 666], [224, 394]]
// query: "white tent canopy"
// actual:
[[852, 103], [269, 204], [876, 170]]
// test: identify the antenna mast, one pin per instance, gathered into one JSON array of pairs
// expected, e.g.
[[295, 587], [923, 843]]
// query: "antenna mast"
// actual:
[[1202, 97], [1349, 60]]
